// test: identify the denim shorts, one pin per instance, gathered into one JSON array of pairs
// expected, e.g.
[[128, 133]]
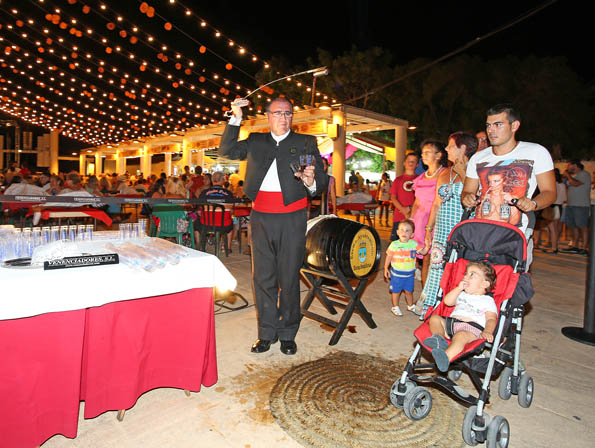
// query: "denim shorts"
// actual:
[[577, 216]]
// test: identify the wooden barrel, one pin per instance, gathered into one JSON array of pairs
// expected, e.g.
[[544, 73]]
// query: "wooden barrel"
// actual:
[[341, 244]]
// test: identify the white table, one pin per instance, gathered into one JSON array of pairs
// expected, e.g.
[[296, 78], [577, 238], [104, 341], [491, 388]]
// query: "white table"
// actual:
[[30, 292], [75, 334]]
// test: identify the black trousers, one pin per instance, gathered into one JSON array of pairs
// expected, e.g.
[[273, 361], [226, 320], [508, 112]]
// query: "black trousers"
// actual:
[[278, 242]]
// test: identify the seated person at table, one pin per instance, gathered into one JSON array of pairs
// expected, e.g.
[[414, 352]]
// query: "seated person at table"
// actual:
[[124, 188], [239, 190], [93, 186], [19, 186], [43, 181], [216, 191], [72, 187], [56, 185], [175, 188], [474, 316], [140, 186]]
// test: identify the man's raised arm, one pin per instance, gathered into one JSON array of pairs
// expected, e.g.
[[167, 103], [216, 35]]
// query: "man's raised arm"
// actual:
[[230, 147]]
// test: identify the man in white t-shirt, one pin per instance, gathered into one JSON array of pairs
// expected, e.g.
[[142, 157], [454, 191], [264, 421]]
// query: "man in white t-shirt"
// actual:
[[506, 174]]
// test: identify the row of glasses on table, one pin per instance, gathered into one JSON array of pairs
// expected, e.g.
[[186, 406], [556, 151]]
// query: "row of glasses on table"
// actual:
[[19, 243]]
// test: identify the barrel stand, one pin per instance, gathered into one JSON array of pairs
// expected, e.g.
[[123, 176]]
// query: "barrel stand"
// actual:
[[316, 289]]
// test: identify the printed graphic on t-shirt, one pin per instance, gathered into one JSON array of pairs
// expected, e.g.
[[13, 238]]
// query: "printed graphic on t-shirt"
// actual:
[[500, 184], [408, 185]]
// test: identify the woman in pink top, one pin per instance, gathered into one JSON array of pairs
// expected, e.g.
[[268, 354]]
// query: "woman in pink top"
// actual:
[[432, 156]]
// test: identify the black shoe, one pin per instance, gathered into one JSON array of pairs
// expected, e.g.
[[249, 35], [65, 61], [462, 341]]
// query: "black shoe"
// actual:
[[262, 345], [288, 347], [583, 252], [571, 250]]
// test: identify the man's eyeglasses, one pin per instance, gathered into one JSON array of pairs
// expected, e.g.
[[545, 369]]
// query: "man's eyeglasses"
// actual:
[[281, 113]]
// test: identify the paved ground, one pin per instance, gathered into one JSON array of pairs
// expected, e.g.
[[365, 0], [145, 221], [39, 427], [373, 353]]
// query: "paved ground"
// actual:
[[234, 412]]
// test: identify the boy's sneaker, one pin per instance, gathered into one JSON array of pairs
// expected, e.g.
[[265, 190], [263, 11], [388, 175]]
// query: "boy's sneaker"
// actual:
[[396, 311], [411, 308]]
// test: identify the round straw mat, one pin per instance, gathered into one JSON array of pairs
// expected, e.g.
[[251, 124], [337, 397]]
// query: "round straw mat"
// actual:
[[342, 400]]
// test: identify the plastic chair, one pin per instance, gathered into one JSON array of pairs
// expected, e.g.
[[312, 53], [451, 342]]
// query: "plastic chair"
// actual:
[[168, 216], [243, 216], [212, 217]]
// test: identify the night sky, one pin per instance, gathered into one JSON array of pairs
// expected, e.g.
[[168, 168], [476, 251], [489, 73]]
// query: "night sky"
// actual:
[[408, 29]]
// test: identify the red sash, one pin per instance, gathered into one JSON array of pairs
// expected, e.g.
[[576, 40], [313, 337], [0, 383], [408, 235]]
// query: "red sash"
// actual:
[[272, 202]]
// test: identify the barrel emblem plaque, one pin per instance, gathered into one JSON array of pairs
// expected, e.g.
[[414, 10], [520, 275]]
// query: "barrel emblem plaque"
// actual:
[[362, 254]]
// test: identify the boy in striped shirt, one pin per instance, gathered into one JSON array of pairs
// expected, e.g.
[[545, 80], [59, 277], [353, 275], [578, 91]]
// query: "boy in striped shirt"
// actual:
[[399, 265]]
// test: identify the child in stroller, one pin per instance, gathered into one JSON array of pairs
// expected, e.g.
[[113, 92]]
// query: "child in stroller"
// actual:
[[504, 247], [473, 317]]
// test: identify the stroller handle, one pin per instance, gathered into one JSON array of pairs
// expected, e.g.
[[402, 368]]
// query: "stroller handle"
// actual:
[[468, 211]]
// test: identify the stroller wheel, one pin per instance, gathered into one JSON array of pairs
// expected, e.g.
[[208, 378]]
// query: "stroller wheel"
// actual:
[[418, 403], [393, 395], [454, 374], [498, 433], [505, 384], [525, 391], [470, 434]]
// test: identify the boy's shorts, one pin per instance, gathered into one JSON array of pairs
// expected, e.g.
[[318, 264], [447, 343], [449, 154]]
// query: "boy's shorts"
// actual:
[[401, 280]]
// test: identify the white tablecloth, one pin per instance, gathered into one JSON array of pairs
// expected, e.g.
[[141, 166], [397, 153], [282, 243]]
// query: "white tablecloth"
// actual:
[[30, 292]]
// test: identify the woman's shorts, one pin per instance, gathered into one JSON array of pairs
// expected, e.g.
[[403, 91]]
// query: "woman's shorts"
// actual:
[[401, 281]]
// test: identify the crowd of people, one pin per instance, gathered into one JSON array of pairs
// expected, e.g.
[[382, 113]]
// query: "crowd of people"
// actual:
[[501, 178], [20, 181], [189, 184]]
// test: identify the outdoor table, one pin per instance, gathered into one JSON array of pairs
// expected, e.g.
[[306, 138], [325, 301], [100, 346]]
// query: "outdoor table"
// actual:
[[103, 334], [366, 209], [73, 212], [134, 205]]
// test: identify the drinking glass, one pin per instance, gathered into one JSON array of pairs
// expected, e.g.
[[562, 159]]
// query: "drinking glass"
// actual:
[[305, 160]]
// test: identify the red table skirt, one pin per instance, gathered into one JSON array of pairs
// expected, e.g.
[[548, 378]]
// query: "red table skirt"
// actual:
[[40, 376], [91, 212], [107, 356]]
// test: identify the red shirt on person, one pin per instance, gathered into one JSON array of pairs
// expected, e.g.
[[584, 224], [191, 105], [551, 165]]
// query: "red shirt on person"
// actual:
[[402, 188]]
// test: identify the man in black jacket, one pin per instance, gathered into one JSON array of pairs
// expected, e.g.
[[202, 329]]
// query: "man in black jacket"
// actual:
[[278, 218]]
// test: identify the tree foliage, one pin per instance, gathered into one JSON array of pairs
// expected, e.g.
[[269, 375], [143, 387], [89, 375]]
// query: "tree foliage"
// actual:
[[555, 104], [363, 160]]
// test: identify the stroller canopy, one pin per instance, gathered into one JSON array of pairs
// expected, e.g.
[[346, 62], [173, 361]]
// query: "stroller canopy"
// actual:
[[496, 242]]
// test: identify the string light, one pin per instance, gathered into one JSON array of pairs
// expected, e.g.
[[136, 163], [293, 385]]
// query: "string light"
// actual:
[[134, 98], [114, 69]]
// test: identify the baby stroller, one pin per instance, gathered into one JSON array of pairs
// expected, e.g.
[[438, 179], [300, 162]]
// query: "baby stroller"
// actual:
[[505, 248]]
